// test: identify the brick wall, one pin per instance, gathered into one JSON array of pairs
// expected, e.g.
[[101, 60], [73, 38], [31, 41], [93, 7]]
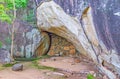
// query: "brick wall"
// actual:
[[60, 46]]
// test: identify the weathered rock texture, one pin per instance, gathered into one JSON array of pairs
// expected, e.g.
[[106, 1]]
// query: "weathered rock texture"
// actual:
[[72, 7], [81, 33], [27, 37], [61, 47], [25, 45], [4, 56], [108, 12], [44, 45], [26, 40], [58, 22], [17, 67]]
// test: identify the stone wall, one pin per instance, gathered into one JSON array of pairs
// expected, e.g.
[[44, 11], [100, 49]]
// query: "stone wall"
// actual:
[[61, 47]]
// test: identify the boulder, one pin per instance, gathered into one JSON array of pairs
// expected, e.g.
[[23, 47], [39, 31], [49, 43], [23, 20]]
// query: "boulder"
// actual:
[[44, 45], [52, 18], [4, 56], [17, 67], [82, 34]]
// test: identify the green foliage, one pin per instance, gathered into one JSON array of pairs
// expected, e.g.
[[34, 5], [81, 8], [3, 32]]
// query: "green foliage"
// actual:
[[1, 44], [8, 40], [1, 67], [26, 59], [20, 3], [32, 59], [90, 76], [6, 7], [3, 15], [30, 17], [38, 66], [9, 64], [35, 62]]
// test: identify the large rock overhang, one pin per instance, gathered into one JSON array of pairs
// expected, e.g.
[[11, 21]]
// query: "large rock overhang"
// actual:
[[52, 18]]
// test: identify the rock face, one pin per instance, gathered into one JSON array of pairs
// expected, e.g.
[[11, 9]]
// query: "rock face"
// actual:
[[26, 40], [109, 17], [72, 7], [81, 33], [17, 67], [5, 35], [4, 56], [27, 36], [44, 45]]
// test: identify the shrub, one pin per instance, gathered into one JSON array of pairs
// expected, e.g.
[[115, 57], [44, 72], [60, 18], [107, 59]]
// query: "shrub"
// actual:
[[90, 76]]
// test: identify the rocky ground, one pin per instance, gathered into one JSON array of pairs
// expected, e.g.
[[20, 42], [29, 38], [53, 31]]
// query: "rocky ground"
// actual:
[[67, 68]]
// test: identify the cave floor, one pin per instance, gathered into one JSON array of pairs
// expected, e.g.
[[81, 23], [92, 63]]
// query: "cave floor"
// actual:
[[67, 68]]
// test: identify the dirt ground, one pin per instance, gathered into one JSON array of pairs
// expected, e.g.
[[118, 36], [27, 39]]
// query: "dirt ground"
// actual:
[[67, 68], [72, 67]]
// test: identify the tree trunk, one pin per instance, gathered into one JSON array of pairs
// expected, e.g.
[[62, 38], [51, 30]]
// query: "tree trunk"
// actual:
[[13, 30]]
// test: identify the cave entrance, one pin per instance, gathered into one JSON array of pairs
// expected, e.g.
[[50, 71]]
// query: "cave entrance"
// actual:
[[61, 47]]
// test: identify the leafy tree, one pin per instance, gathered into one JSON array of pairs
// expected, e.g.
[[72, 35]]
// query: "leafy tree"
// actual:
[[8, 10]]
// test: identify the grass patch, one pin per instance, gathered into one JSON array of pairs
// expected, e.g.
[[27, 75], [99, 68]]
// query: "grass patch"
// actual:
[[32, 59], [1, 67], [9, 64], [90, 76], [26, 59], [36, 65]]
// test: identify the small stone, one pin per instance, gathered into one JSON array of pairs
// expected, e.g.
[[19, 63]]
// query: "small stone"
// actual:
[[53, 59], [77, 60], [105, 77], [17, 67], [43, 60], [66, 76], [57, 73], [48, 73], [95, 75], [57, 54], [61, 53], [91, 72], [71, 73], [100, 75]]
